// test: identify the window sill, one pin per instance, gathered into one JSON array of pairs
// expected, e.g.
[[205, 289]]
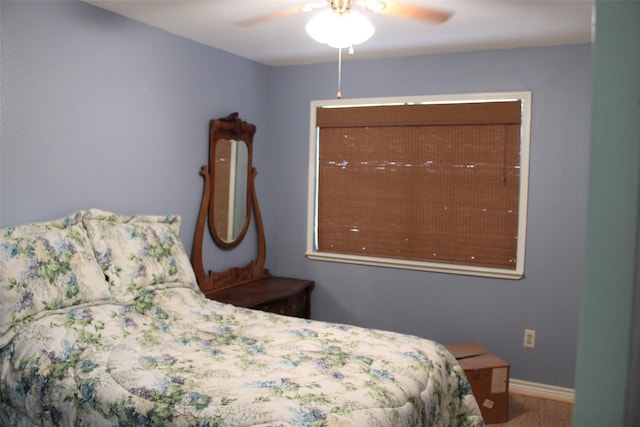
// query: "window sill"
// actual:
[[418, 265]]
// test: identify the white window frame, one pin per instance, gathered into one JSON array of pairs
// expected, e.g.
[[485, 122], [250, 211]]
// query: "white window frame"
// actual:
[[312, 251]]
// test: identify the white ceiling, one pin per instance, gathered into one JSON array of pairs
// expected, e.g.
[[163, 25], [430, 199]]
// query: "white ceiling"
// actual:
[[475, 25]]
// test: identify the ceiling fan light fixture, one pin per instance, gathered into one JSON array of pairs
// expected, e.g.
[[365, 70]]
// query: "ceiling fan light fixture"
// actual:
[[340, 30]]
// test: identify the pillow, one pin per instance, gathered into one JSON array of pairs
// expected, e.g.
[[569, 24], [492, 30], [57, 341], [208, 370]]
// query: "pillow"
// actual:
[[139, 252], [47, 266]]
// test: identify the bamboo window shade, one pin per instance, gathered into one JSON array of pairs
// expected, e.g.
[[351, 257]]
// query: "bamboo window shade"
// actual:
[[426, 182]]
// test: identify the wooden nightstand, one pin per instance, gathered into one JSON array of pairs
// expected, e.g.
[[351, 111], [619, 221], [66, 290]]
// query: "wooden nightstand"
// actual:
[[280, 295]]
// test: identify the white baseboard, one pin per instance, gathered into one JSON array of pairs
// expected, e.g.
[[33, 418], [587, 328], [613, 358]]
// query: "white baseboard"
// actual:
[[542, 390]]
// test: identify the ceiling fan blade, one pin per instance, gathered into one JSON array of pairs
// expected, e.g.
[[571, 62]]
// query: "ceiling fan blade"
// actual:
[[405, 10], [282, 13], [269, 17]]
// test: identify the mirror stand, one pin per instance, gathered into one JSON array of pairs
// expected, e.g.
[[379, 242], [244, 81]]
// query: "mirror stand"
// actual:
[[230, 128], [228, 199]]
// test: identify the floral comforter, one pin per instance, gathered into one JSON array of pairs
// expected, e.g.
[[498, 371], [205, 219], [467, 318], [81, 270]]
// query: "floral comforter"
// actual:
[[173, 357], [102, 324]]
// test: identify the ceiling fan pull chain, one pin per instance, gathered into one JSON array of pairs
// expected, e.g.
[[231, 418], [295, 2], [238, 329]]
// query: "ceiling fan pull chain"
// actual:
[[339, 95]]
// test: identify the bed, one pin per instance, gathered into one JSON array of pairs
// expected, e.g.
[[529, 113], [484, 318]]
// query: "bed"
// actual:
[[102, 324]]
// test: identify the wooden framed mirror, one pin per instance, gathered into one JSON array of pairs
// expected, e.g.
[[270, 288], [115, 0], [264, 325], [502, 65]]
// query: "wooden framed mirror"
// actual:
[[228, 199], [230, 169]]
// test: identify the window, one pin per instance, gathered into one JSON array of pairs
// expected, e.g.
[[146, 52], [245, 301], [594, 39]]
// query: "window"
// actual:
[[428, 183]]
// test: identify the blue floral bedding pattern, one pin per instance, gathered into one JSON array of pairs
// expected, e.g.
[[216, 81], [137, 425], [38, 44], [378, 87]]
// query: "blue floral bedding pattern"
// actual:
[[174, 358], [162, 354]]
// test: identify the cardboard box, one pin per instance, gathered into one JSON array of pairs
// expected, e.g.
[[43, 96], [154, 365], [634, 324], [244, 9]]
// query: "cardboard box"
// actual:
[[489, 379]]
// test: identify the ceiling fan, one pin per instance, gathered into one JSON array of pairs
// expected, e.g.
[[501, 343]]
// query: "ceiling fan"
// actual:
[[340, 25], [385, 7]]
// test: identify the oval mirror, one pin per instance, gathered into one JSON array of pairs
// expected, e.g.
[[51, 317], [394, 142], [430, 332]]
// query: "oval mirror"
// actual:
[[230, 171], [230, 185]]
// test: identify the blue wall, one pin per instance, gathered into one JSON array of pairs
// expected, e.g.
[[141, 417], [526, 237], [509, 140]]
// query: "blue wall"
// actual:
[[102, 111], [451, 308]]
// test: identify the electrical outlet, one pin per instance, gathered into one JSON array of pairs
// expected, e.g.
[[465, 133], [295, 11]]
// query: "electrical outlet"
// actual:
[[529, 338]]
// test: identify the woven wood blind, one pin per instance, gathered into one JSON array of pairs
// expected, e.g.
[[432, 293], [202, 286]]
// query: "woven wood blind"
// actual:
[[435, 182]]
